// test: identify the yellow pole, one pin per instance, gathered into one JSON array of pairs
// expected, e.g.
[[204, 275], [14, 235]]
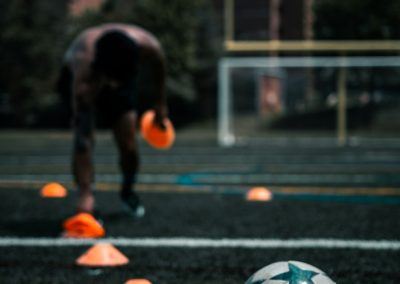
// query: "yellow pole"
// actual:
[[341, 107], [229, 20], [313, 45]]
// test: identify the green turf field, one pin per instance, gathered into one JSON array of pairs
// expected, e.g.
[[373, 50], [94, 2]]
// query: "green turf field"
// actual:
[[335, 208]]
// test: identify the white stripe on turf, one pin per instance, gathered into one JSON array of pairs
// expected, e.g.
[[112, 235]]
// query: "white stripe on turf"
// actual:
[[181, 242]]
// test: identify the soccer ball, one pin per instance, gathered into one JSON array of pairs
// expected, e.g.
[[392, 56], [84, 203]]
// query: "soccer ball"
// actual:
[[289, 272]]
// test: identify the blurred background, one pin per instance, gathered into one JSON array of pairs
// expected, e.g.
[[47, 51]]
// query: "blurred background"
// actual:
[[35, 34], [334, 74]]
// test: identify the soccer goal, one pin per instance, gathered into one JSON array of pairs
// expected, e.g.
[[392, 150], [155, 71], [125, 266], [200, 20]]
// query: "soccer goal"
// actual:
[[347, 88], [257, 94]]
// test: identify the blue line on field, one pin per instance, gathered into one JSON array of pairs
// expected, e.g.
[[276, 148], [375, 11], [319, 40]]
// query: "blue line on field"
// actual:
[[338, 198], [229, 178]]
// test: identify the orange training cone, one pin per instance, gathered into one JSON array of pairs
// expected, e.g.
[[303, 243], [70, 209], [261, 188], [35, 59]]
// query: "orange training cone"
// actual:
[[83, 225], [102, 254], [137, 281], [155, 136], [259, 194], [53, 190]]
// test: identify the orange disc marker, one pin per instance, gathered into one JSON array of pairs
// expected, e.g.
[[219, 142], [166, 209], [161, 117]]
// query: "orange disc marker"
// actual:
[[53, 190], [102, 254], [259, 194], [138, 281], [155, 136], [83, 225]]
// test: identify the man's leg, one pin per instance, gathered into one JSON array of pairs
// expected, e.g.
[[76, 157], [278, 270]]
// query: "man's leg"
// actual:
[[125, 137], [82, 157]]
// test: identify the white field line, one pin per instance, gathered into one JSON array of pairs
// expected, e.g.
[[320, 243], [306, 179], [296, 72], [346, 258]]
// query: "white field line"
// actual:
[[181, 242]]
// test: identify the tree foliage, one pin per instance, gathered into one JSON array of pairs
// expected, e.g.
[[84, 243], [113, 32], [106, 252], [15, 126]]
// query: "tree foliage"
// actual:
[[357, 19], [36, 33], [29, 46]]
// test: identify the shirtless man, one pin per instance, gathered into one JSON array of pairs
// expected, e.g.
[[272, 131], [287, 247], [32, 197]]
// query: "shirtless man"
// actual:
[[98, 74]]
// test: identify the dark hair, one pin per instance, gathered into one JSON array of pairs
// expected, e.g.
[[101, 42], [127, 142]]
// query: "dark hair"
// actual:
[[116, 56]]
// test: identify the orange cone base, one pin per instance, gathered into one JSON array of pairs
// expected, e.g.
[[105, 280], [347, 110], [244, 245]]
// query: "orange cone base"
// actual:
[[156, 137], [83, 225], [259, 194], [102, 255], [137, 281], [53, 190]]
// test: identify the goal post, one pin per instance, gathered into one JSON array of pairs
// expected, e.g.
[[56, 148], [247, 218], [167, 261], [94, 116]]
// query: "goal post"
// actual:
[[226, 119]]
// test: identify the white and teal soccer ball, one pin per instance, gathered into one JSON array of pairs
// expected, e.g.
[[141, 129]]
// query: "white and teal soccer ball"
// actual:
[[289, 272]]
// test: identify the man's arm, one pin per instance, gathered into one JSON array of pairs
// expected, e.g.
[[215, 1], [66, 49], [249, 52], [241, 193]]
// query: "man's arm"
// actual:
[[83, 145], [155, 57]]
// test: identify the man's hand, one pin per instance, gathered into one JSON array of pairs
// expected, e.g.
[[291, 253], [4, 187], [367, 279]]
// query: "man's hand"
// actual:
[[160, 115]]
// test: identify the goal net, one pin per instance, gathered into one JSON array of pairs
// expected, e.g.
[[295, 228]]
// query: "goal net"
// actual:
[[338, 95]]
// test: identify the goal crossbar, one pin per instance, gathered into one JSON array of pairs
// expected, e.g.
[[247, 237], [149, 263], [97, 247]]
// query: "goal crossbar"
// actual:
[[345, 46]]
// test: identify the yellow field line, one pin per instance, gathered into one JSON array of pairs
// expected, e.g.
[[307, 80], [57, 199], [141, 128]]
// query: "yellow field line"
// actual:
[[170, 188]]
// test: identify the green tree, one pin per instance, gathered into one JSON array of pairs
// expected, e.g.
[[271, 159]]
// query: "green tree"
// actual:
[[35, 34], [357, 19], [30, 45]]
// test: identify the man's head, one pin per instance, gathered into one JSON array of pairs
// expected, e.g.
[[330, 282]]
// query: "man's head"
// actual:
[[116, 56]]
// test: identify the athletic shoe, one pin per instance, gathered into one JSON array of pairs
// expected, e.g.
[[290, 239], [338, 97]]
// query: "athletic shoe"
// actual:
[[133, 207]]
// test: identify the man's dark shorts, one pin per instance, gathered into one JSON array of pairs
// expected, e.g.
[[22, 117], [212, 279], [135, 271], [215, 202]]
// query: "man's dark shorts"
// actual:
[[112, 104]]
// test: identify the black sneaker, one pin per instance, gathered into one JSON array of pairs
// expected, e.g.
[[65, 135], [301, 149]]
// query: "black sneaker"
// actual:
[[132, 206]]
